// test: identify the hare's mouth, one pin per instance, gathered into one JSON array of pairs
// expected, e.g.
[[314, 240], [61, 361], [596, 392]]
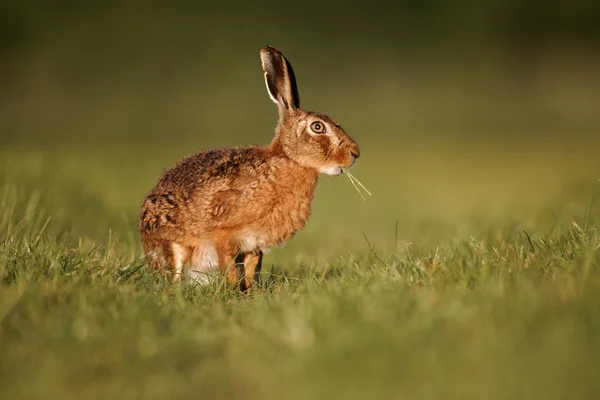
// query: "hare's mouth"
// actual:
[[332, 170]]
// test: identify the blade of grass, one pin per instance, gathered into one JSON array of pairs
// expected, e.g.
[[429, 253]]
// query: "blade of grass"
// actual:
[[357, 184]]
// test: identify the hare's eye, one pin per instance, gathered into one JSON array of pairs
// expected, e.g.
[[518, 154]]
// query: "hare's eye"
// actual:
[[317, 127]]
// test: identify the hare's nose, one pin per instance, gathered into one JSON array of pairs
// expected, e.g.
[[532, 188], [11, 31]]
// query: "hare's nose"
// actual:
[[355, 151]]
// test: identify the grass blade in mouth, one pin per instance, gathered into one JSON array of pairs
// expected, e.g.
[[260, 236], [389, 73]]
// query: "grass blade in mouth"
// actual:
[[357, 184]]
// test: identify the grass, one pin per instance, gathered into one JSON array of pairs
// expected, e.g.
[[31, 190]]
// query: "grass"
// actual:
[[458, 300], [471, 272], [358, 186]]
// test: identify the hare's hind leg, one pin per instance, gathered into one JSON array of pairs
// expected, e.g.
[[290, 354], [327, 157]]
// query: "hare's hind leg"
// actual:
[[252, 266], [167, 257], [179, 256]]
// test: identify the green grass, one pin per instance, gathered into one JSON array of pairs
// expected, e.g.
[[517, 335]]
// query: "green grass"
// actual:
[[472, 272], [466, 275]]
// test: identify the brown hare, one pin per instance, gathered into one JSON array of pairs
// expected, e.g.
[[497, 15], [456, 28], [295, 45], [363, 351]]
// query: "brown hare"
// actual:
[[220, 210]]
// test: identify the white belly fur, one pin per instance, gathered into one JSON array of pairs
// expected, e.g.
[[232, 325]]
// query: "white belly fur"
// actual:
[[253, 241], [204, 264]]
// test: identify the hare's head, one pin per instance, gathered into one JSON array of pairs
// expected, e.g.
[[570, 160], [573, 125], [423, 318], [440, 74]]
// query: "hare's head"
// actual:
[[311, 139]]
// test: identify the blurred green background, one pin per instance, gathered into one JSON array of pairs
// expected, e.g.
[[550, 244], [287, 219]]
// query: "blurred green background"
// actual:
[[467, 113], [471, 273]]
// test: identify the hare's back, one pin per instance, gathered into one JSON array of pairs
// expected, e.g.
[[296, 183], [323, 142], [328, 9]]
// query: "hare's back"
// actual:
[[185, 193], [198, 170]]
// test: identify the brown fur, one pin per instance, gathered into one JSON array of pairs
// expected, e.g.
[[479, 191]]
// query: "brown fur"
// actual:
[[239, 202]]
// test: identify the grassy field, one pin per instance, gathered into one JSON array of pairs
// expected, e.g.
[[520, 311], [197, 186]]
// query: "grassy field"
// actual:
[[472, 272]]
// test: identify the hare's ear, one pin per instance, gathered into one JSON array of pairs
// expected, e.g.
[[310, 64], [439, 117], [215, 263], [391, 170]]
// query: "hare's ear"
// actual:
[[280, 79]]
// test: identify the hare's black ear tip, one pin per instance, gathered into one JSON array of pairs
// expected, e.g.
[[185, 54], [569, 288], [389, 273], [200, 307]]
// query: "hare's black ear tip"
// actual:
[[270, 50]]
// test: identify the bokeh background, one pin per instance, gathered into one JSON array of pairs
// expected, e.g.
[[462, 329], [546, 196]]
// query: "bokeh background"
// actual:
[[469, 114], [471, 272]]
